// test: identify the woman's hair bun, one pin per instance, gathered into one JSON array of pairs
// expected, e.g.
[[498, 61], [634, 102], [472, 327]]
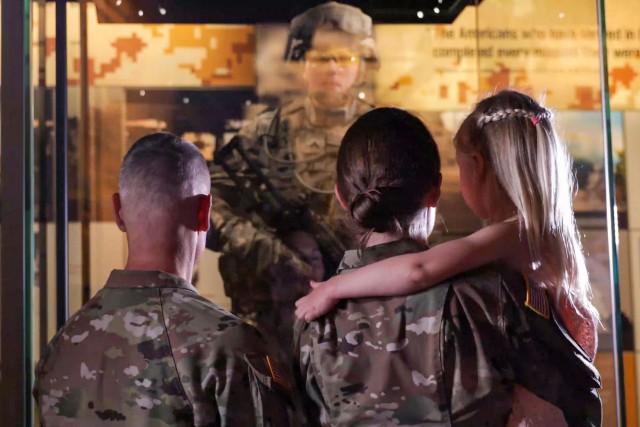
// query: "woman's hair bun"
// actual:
[[369, 211], [387, 163]]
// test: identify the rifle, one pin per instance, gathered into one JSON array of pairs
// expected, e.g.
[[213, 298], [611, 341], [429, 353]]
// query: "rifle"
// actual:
[[261, 196]]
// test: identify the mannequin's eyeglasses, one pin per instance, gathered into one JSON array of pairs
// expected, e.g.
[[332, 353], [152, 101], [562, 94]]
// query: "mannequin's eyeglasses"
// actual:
[[342, 57]]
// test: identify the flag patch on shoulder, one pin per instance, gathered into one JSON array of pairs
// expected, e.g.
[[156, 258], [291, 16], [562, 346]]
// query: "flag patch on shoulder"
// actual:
[[537, 299], [276, 374]]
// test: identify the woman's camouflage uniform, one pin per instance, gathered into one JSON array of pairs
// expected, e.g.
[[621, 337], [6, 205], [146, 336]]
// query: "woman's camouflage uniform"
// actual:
[[449, 355]]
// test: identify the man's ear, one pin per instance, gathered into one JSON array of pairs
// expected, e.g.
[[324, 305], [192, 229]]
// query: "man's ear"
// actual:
[[340, 199], [117, 208], [433, 195], [204, 212]]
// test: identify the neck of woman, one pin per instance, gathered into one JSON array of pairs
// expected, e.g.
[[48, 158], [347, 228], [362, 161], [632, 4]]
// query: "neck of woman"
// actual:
[[380, 238]]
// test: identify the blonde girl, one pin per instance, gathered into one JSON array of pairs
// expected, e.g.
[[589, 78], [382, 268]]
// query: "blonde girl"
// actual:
[[515, 173]]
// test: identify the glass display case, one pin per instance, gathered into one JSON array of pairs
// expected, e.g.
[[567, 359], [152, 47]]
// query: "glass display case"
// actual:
[[206, 73]]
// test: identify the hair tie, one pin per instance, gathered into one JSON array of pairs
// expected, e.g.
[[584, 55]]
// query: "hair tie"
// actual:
[[535, 120], [372, 192]]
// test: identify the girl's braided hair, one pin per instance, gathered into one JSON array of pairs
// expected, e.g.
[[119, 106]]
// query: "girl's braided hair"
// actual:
[[507, 113]]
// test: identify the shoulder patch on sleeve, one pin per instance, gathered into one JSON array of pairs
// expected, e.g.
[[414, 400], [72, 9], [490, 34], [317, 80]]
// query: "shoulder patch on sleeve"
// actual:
[[267, 371], [276, 373], [537, 299]]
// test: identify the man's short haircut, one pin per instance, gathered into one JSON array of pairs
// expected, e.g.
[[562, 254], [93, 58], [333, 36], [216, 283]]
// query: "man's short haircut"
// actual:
[[161, 168]]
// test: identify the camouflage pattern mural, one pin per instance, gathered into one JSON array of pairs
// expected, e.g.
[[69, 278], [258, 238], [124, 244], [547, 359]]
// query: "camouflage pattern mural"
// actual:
[[135, 55]]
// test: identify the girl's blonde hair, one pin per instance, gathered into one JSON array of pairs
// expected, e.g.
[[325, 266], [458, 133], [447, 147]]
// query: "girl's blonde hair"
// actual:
[[516, 137]]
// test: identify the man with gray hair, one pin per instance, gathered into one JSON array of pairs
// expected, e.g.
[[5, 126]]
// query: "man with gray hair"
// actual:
[[147, 349]]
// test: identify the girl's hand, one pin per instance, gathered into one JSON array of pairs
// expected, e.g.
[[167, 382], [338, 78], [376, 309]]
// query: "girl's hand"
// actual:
[[316, 303]]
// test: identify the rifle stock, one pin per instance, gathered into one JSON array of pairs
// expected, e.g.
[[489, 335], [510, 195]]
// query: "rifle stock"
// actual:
[[266, 200]]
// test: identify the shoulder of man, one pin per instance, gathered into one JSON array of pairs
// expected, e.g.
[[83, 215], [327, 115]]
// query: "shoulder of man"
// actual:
[[77, 328], [214, 343], [76, 381], [199, 320], [270, 384]]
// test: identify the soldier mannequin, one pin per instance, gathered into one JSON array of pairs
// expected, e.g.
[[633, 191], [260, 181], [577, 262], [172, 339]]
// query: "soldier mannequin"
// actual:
[[264, 268]]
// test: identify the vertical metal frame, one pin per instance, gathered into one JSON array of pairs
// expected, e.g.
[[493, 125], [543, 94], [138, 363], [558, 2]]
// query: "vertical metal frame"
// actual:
[[62, 196], [85, 155], [16, 252], [44, 188], [612, 219]]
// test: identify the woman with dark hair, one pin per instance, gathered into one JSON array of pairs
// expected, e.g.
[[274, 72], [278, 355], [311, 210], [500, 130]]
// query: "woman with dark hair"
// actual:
[[389, 182], [458, 353], [389, 177]]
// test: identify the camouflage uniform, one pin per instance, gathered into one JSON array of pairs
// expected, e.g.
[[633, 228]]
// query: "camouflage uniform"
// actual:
[[147, 350], [449, 355], [297, 146]]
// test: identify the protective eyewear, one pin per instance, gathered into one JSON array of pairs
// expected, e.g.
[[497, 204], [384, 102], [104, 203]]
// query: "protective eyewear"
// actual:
[[342, 57]]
